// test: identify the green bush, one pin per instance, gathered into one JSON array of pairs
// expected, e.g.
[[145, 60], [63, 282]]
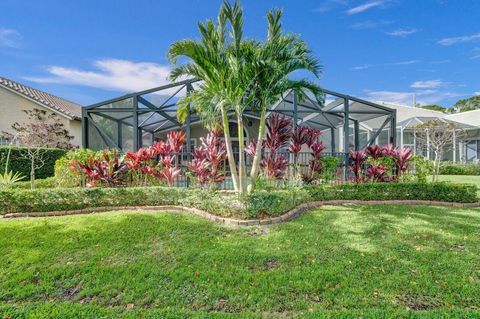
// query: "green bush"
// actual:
[[59, 199], [22, 165], [449, 168], [64, 175], [258, 204], [444, 192], [49, 182], [263, 203]]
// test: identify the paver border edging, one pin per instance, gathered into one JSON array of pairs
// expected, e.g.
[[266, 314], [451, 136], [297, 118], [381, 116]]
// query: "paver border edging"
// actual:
[[295, 212]]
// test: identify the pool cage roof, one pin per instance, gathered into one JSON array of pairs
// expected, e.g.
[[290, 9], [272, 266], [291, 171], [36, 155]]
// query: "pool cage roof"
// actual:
[[134, 120]]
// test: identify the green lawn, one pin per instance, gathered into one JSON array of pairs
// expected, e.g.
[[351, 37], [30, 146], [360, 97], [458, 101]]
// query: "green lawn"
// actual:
[[461, 179], [373, 261]]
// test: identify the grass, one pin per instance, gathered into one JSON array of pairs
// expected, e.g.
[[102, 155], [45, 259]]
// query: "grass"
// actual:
[[368, 261], [473, 179]]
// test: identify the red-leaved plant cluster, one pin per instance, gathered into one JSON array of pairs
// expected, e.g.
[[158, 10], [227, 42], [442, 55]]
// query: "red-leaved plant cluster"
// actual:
[[379, 164], [208, 160], [159, 160], [108, 170], [280, 135]]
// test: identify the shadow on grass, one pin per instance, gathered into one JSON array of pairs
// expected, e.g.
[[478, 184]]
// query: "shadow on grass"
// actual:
[[352, 258]]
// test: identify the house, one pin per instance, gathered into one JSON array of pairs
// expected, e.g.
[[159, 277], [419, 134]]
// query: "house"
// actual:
[[16, 97], [464, 150]]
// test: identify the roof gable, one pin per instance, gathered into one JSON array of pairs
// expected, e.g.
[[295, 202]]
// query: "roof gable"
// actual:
[[62, 106]]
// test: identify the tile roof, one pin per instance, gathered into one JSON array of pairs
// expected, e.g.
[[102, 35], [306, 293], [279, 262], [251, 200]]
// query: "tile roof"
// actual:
[[50, 101]]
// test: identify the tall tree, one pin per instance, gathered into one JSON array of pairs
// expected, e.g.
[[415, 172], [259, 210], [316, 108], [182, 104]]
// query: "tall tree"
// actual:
[[221, 62], [277, 58]]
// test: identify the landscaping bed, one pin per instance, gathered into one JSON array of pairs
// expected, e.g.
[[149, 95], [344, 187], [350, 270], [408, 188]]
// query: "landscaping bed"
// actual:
[[348, 262], [257, 205]]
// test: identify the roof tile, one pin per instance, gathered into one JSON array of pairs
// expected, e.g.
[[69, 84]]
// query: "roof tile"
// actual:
[[63, 106]]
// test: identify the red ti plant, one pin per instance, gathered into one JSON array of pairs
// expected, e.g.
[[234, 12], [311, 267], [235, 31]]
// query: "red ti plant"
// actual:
[[374, 151], [279, 130], [315, 164], [402, 158], [377, 173], [357, 158], [301, 135], [389, 150], [108, 170], [251, 148], [274, 166], [312, 136], [209, 159]]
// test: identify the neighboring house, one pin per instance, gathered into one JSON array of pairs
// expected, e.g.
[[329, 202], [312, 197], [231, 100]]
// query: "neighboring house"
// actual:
[[466, 150], [16, 97]]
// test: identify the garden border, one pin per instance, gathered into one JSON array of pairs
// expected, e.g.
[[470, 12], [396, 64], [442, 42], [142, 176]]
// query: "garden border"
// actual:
[[292, 214]]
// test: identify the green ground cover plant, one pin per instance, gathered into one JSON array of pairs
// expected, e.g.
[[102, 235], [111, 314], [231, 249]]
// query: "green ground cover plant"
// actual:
[[342, 262]]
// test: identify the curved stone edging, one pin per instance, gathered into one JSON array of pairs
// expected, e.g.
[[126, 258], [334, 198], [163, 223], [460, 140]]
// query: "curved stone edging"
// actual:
[[297, 211]]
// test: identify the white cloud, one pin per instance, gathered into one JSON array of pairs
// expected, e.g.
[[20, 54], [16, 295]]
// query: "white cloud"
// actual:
[[10, 38], [462, 39], [476, 93], [329, 5], [364, 7], [476, 55], [408, 62], [367, 66], [429, 84], [370, 24], [362, 67], [110, 74], [403, 33], [440, 61], [423, 97]]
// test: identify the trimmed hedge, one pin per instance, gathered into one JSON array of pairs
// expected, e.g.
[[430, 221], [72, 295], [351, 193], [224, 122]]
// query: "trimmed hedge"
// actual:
[[62, 199], [258, 204], [22, 165], [443, 192], [459, 169]]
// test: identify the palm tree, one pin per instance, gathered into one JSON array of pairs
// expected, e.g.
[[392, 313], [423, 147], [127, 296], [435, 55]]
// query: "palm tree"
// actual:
[[221, 63], [277, 58]]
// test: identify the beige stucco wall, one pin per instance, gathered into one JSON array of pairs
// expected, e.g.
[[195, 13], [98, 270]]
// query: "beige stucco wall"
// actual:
[[12, 105]]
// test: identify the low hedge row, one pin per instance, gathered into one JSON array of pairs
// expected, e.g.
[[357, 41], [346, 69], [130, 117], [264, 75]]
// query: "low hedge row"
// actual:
[[443, 192], [275, 203], [21, 165], [258, 204], [62, 199], [459, 169]]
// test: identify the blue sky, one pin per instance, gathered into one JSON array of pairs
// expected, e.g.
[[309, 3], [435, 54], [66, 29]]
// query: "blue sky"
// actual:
[[91, 50]]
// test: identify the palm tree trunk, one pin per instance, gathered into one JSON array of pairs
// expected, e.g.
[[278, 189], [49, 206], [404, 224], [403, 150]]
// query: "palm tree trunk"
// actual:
[[228, 144], [241, 156], [258, 151]]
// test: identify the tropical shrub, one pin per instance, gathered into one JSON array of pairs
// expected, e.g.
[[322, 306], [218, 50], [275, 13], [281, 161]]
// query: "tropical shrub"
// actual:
[[329, 168], [423, 168], [66, 174], [209, 159], [279, 131], [379, 164], [109, 171]]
